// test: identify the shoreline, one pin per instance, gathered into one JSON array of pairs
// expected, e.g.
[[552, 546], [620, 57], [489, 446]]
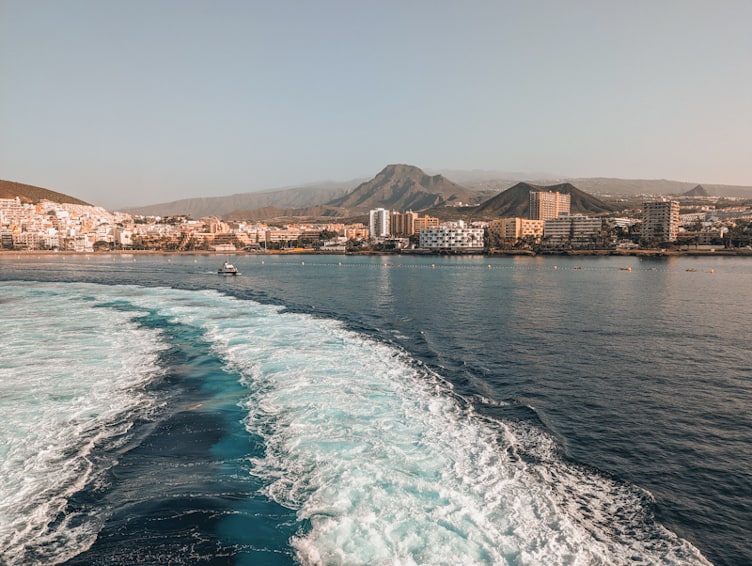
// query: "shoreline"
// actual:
[[487, 253]]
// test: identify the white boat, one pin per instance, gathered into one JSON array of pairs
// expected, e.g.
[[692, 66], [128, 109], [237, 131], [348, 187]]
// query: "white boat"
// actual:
[[227, 269]]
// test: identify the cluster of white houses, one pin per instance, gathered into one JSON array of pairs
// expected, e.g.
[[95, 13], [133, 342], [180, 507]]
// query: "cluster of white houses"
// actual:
[[49, 225]]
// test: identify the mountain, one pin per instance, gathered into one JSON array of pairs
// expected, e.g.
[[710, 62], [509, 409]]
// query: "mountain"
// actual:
[[515, 201], [403, 187], [32, 194], [295, 197], [698, 191]]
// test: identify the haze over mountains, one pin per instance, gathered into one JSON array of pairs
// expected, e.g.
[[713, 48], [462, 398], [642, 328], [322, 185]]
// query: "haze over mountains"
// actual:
[[404, 187]]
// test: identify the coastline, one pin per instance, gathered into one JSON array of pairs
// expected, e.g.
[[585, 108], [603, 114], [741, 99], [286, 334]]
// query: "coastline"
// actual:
[[486, 253]]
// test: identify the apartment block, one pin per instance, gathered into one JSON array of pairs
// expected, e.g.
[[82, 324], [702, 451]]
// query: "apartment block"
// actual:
[[512, 230], [571, 231], [660, 220], [452, 237], [548, 204]]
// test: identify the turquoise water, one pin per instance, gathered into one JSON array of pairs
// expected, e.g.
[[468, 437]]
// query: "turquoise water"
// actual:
[[364, 411]]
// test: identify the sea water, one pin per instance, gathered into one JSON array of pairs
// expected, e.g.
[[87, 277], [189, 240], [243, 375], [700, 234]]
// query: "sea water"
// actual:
[[367, 411]]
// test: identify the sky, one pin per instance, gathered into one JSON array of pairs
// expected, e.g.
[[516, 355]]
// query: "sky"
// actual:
[[135, 102]]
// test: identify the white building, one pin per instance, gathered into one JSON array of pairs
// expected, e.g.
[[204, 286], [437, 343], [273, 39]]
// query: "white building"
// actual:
[[378, 223], [452, 236]]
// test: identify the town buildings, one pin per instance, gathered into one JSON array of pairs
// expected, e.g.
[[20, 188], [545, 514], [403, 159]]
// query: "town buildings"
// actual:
[[48, 225]]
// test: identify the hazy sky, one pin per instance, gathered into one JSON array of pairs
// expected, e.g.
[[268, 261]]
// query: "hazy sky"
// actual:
[[135, 102]]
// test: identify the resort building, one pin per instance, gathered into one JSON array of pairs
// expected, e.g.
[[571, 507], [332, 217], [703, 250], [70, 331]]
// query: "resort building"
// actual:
[[453, 236], [572, 231], [660, 220], [548, 204], [509, 231]]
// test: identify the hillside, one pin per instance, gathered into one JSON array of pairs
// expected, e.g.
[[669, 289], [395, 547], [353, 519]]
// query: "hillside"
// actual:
[[515, 201], [297, 197], [32, 194], [403, 187]]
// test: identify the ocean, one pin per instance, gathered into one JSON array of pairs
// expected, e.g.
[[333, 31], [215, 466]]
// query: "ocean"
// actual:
[[375, 410]]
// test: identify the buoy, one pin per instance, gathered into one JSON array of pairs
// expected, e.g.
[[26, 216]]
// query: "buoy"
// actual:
[[302, 263], [556, 267]]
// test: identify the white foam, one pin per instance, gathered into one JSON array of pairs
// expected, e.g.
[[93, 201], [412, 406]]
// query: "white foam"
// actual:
[[70, 380], [383, 464], [388, 467]]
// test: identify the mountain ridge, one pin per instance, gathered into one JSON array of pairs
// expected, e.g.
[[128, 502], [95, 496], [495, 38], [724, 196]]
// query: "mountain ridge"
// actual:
[[315, 199], [403, 187]]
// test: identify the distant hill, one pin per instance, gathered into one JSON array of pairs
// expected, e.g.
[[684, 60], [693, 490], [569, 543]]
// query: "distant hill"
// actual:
[[32, 194], [698, 191], [657, 187], [296, 197], [515, 201], [403, 187]]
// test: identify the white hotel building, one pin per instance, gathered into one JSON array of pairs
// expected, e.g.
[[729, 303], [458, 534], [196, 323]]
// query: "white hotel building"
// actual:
[[452, 237]]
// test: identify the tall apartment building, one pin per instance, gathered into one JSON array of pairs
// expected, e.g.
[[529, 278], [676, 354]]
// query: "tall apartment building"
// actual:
[[402, 223], [378, 222], [548, 204], [660, 220]]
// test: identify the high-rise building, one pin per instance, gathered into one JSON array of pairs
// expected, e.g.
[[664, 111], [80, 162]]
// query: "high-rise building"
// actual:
[[660, 220], [378, 222], [548, 204], [402, 223]]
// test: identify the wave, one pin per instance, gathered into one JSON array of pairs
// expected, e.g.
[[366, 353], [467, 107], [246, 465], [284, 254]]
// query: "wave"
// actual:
[[71, 386], [381, 461]]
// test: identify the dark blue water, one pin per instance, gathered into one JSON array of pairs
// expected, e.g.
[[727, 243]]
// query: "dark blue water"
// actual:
[[641, 377]]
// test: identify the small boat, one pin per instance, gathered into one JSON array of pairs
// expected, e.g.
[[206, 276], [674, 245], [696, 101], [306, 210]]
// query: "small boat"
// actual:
[[227, 269]]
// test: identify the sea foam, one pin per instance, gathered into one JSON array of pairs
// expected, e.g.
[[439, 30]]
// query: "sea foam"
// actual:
[[378, 457], [71, 380]]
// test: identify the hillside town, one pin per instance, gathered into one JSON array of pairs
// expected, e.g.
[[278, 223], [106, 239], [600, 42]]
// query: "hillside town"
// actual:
[[550, 227]]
